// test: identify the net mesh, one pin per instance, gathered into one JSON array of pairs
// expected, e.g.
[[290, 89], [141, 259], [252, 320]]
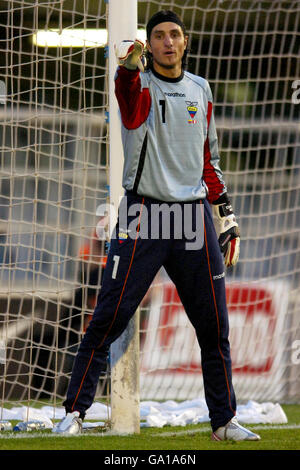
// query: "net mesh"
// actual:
[[53, 176]]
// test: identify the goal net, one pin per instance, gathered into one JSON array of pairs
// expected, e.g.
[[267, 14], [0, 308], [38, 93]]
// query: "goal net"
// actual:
[[54, 174]]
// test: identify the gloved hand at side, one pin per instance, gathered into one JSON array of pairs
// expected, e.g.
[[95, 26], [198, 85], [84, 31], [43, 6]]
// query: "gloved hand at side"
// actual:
[[229, 234]]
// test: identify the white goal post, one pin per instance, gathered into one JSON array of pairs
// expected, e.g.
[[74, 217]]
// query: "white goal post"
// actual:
[[125, 392], [61, 158]]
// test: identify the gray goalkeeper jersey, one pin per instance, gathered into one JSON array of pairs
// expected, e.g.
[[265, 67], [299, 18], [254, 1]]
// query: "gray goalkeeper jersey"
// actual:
[[169, 136]]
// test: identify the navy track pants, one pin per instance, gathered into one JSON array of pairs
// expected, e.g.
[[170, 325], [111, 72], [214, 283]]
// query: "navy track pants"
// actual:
[[133, 262]]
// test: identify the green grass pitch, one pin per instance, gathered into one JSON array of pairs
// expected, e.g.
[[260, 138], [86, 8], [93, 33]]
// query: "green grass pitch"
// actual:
[[189, 438]]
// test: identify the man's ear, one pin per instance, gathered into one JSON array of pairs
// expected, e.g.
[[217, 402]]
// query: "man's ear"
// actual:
[[148, 46], [186, 40]]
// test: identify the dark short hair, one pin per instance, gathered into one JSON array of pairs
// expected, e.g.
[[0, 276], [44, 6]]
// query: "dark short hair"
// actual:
[[163, 16]]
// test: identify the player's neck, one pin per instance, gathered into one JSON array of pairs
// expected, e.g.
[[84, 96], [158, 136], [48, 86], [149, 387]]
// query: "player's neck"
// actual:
[[174, 72]]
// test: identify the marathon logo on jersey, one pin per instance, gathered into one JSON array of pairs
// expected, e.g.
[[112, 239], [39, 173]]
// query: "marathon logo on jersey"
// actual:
[[192, 110], [175, 95]]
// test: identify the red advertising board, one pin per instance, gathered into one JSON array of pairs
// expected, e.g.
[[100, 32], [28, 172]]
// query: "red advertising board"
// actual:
[[170, 348]]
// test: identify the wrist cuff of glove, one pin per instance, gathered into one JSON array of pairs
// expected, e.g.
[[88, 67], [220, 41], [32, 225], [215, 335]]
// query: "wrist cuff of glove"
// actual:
[[224, 207]]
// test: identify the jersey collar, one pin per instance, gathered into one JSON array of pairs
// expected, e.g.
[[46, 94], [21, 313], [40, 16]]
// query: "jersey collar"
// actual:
[[167, 79]]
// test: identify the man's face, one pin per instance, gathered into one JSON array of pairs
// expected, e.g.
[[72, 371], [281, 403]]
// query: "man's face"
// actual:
[[167, 45]]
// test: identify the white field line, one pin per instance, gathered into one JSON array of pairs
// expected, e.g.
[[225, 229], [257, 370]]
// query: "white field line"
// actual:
[[22, 435], [206, 429]]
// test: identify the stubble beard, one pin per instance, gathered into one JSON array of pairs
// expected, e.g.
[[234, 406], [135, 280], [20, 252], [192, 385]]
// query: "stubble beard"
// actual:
[[165, 66]]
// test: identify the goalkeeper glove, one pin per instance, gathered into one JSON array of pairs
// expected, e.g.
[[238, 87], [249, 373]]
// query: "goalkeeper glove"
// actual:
[[229, 234], [102, 231], [130, 54]]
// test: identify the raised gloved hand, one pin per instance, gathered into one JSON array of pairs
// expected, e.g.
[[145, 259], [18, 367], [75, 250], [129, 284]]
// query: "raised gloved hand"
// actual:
[[102, 229], [229, 234], [130, 54]]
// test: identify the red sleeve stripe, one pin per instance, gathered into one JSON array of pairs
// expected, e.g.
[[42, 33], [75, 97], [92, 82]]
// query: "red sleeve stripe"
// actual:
[[134, 103], [209, 113], [215, 187]]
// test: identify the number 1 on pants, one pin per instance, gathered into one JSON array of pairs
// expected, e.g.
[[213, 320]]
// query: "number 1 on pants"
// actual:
[[116, 259]]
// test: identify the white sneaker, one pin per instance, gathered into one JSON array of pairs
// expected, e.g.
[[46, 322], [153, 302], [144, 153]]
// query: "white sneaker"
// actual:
[[70, 424], [235, 432]]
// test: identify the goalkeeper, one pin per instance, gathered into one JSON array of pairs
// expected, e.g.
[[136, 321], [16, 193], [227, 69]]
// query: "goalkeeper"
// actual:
[[171, 159]]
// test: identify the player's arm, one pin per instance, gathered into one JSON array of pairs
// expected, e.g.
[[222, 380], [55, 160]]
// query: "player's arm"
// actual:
[[228, 230], [134, 100]]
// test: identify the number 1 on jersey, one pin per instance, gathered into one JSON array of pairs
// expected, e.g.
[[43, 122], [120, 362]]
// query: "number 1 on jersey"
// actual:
[[162, 103]]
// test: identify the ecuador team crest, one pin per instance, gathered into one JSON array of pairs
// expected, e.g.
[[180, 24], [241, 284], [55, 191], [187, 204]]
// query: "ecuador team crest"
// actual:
[[192, 110]]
